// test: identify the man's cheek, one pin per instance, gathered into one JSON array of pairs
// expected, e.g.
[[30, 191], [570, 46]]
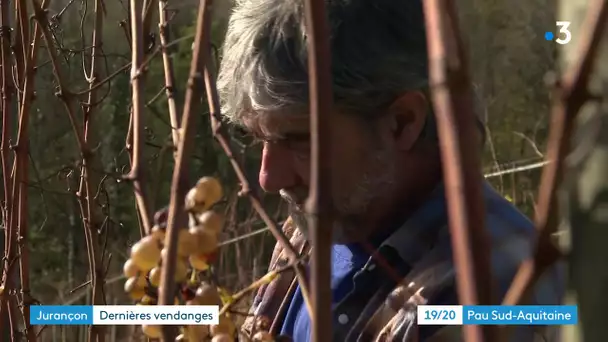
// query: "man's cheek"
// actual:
[[302, 168], [341, 188]]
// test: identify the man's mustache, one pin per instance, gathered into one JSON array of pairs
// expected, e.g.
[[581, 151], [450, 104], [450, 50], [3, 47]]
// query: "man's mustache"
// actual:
[[294, 198]]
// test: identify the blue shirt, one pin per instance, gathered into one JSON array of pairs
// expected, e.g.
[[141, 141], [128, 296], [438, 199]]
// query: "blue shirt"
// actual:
[[346, 260], [511, 234]]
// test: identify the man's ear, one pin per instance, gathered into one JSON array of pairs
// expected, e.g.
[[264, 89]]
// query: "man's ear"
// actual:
[[408, 115]]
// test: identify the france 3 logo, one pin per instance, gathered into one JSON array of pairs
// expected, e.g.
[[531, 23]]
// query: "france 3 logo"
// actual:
[[563, 36]]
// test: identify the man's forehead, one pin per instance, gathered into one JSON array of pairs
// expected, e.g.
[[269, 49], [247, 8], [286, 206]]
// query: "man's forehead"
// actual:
[[277, 125]]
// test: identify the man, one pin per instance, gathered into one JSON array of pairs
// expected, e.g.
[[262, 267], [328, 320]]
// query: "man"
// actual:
[[387, 176]]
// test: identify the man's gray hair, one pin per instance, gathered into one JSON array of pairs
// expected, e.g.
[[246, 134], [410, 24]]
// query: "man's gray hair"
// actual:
[[378, 51]]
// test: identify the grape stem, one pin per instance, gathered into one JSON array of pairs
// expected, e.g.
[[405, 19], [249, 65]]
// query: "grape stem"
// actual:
[[266, 279]]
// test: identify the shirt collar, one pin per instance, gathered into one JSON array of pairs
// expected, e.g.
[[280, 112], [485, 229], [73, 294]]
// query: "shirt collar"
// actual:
[[419, 232]]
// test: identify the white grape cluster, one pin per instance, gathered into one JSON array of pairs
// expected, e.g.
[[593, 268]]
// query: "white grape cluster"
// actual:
[[197, 248]]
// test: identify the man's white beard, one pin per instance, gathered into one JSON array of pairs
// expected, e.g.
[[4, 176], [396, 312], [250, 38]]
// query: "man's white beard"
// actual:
[[296, 212], [372, 185], [300, 219]]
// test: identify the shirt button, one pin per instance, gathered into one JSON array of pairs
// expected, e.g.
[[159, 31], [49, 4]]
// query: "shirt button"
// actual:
[[371, 267], [343, 319]]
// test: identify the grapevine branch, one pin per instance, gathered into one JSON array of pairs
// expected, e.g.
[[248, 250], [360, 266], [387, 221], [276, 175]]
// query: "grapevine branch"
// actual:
[[105, 80], [18, 215], [85, 197], [12, 211], [163, 28], [176, 219], [137, 125], [148, 11], [92, 222], [8, 91], [318, 204], [460, 158]]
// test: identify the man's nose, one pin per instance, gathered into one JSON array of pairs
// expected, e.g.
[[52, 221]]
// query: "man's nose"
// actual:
[[276, 171]]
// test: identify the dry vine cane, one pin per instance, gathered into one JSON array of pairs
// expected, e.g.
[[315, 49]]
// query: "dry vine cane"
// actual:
[[16, 214], [85, 194], [8, 91], [319, 203], [25, 79], [136, 124], [451, 91], [163, 29], [176, 219]]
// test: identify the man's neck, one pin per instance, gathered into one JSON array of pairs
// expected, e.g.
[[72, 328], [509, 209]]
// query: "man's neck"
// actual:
[[406, 204], [399, 212]]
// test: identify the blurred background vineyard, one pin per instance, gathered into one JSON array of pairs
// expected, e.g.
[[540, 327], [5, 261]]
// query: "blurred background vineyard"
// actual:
[[510, 62]]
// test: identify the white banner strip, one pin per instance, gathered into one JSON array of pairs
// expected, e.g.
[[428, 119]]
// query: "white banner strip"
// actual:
[[155, 314]]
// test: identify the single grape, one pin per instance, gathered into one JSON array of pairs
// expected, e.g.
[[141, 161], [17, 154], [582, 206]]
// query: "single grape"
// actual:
[[147, 300], [181, 266], [211, 185], [152, 331], [198, 262], [181, 270], [210, 220], [207, 241], [135, 288], [141, 281], [194, 202], [154, 276], [130, 269], [186, 243], [207, 294], [134, 282], [206, 193], [137, 293], [146, 253]]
